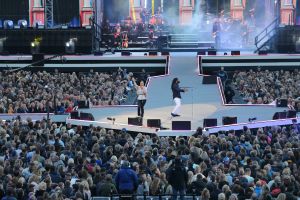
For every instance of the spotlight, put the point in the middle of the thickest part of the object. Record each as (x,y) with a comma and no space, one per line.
(70,46)
(22,23)
(35,45)
(8,24)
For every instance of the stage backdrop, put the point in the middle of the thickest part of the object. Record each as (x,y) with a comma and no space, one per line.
(14,10)
(116,10)
(66,12)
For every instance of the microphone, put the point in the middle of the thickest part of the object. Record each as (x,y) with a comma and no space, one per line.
(186,87)
(111,119)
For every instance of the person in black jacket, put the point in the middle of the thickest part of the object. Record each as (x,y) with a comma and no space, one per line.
(176,96)
(177,177)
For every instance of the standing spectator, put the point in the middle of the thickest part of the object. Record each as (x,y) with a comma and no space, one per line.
(178,178)
(222,74)
(126,179)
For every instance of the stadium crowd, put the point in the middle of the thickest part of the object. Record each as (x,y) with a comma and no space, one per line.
(264,86)
(31,92)
(44,160)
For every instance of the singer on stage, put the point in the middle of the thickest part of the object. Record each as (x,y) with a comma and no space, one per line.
(141,92)
(176,96)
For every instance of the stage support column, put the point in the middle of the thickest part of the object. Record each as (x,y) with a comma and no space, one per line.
(135,9)
(36,12)
(237,9)
(186,8)
(287,12)
(86,11)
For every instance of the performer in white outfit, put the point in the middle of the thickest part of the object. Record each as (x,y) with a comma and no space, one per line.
(141,91)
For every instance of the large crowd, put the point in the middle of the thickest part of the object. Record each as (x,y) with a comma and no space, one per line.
(264,86)
(38,92)
(44,160)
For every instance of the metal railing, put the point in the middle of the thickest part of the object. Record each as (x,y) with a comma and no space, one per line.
(96,34)
(146,197)
(265,35)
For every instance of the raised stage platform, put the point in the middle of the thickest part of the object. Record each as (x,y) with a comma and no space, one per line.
(199,103)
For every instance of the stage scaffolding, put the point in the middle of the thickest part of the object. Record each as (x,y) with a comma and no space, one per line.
(49,13)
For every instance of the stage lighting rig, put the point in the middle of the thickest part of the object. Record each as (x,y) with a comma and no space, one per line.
(35,45)
(8,24)
(70,45)
(22,23)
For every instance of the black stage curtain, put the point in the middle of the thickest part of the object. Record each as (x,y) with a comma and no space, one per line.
(298,12)
(116,10)
(65,12)
(14,10)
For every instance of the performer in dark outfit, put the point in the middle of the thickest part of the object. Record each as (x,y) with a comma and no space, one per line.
(216,32)
(176,96)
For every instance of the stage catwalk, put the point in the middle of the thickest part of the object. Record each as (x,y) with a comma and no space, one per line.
(201,101)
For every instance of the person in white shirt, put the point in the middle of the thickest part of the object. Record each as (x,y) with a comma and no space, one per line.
(141,91)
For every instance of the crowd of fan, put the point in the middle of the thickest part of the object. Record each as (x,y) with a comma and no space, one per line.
(41,160)
(264,86)
(31,92)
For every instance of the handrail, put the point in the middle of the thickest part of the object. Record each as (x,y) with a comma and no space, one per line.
(96,32)
(274,22)
(273,26)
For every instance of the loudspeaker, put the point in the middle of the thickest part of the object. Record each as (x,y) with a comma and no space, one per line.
(210,122)
(181,125)
(165,53)
(229,120)
(235,53)
(281,102)
(280,115)
(38,59)
(262,52)
(98,53)
(74,115)
(201,53)
(291,114)
(156,123)
(136,121)
(209,79)
(152,53)
(87,116)
(212,52)
(83,104)
(125,53)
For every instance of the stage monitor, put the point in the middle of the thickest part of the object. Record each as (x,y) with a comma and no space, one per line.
(210,122)
(86,116)
(152,53)
(201,53)
(262,52)
(165,53)
(136,121)
(155,123)
(181,125)
(280,115)
(291,114)
(125,53)
(229,120)
(74,115)
(235,53)
(212,52)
